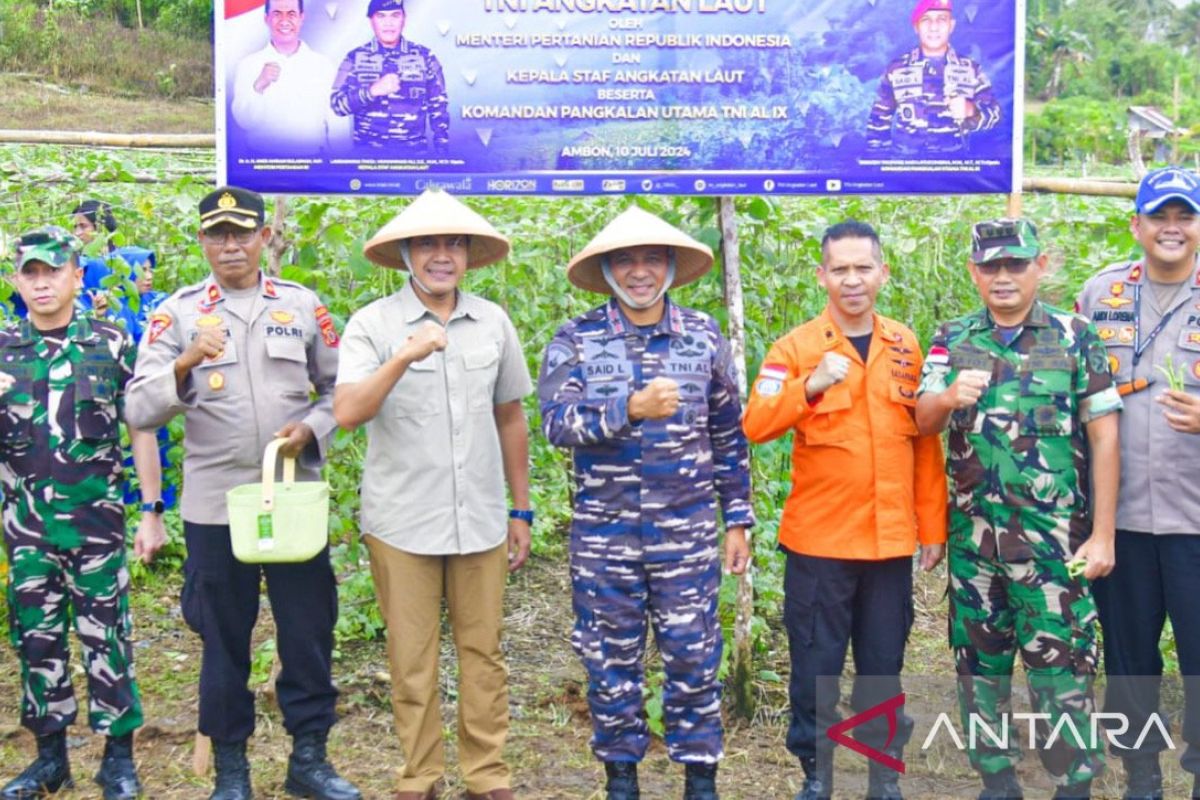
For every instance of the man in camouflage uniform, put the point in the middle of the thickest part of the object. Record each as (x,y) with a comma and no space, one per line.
(393,87)
(1031,407)
(62,397)
(1147,312)
(248,358)
(644,393)
(931,98)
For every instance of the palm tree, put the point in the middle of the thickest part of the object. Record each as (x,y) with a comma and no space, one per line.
(1059,46)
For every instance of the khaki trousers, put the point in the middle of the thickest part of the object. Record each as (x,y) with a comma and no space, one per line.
(410,589)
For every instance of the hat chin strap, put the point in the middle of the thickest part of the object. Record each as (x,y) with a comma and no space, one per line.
(623,296)
(406,257)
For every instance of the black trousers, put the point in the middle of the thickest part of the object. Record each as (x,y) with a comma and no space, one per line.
(220,602)
(830,603)
(1155,579)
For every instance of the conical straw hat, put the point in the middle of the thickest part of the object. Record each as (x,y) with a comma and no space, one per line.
(436,213)
(635,227)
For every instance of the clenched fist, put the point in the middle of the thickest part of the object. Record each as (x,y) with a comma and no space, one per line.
(832,370)
(968,388)
(269,74)
(429,338)
(208,344)
(659,400)
(387,84)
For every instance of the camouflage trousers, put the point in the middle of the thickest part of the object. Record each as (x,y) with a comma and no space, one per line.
(998,608)
(47,588)
(611,600)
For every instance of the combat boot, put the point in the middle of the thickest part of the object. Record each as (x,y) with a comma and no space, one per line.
(883,782)
(700,782)
(1081,790)
(311,775)
(233,772)
(49,772)
(118,776)
(818,779)
(1002,785)
(1143,777)
(622,783)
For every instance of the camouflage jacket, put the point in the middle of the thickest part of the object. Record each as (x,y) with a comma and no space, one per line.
(647,490)
(912,109)
(1017,462)
(398,118)
(60,440)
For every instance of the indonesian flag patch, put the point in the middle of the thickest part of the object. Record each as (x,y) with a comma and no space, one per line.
(770,379)
(938,355)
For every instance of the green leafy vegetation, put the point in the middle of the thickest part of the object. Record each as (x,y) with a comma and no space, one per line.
(925,240)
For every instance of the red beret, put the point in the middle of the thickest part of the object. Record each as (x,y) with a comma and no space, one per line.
(924,6)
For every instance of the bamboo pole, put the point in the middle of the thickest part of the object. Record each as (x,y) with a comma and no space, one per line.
(1077,186)
(743,654)
(103,139)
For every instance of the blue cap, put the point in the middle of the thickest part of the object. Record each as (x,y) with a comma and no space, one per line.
(384,5)
(1164,185)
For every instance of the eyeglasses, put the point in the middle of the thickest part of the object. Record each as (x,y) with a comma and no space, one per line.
(218,237)
(1016,266)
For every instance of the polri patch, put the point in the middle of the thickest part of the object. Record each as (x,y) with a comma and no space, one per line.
(159,323)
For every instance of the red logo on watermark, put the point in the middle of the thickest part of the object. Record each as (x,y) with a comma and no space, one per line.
(838,732)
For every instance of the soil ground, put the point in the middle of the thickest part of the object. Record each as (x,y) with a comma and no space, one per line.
(35,103)
(548,743)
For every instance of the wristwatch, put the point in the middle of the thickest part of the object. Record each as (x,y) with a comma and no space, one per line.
(521,513)
(157,507)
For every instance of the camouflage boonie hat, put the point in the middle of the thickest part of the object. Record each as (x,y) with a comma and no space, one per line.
(52,245)
(1004,238)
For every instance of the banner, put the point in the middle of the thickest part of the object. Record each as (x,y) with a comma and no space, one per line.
(619,96)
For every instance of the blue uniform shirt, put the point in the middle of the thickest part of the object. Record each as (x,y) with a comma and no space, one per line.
(647,490)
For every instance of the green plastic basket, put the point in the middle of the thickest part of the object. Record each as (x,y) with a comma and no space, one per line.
(271,522)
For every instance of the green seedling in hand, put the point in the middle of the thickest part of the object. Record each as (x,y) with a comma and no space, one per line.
(1174,374)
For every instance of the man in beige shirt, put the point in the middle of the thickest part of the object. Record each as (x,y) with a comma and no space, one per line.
(437,375)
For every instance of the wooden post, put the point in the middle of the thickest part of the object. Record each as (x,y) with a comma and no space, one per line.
(278,243)
(743,654)
(201,754)
(1013,209)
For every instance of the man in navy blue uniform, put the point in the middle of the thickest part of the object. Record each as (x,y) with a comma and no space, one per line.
(645,394)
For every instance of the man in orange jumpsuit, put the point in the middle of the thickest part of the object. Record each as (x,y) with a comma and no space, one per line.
(865,489)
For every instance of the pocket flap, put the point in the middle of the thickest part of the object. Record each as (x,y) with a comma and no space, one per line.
(481,357)
(287,349)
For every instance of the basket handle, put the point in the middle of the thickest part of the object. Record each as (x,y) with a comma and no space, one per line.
(268,472)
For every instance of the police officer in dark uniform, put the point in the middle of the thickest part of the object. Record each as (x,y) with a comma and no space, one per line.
(393,88)
(237,354)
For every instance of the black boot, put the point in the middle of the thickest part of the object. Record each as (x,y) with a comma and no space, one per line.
(1074,791)
(883,782)
(117,775)
(49,772)
(311,775)
(622,783)
(1143,777)
(818,778)
(233,772)
(700,782)
(1002,785)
